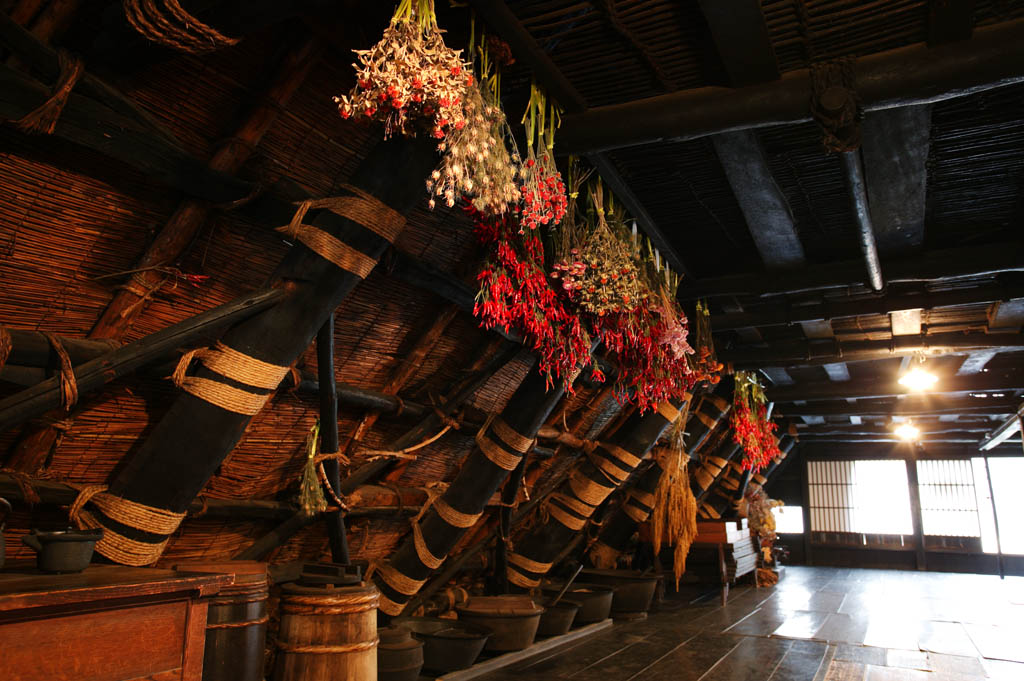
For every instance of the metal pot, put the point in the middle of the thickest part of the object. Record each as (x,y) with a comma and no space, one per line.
(557,618)
(63,550)
(5,510)
(513,620)
(633,590)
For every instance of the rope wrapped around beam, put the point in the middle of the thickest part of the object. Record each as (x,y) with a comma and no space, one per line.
(233,365)
(115,545)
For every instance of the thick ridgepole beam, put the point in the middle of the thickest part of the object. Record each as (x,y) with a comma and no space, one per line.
(508,437)
(98,372)
(916,74)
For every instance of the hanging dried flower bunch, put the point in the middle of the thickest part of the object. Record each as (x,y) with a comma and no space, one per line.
(410,75)
(752,429)
(674,518)
(540,183)
(514,295)
(703,361)
(603,278)
(476,163)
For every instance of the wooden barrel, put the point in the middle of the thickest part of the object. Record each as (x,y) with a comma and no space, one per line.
(236,622)
(327,634)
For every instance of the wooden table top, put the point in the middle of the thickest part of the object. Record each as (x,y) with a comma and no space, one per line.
(30,588)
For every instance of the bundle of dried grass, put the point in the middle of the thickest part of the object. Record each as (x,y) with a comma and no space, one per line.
(311,495)
(674,518)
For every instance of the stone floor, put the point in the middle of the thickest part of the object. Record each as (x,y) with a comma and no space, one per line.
(817,624)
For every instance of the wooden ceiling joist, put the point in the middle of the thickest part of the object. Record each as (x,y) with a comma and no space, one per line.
(939,265)
(910,406)
(741,37)
(906,76)
(762,202)
(784,314)
(813,353)
(895,153)
(874,388)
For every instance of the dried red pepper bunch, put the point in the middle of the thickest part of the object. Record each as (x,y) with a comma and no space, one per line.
(514,295)
(649,372)
(410,75)
(752,429)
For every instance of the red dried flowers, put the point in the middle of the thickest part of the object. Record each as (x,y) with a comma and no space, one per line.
(752,429)
(514,295)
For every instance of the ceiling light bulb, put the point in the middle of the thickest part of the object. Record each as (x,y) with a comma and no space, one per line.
(908,431)
(918,379)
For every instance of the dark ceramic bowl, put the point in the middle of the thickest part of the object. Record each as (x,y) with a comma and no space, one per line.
(63,551)
(448,645)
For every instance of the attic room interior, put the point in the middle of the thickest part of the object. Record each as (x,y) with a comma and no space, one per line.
(533,340)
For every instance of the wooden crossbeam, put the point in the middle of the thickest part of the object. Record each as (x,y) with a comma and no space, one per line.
(988,382)
(916,74)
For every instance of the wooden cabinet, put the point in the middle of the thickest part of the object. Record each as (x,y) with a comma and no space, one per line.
(104,624)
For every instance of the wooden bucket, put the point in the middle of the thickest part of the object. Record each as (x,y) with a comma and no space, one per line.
(327,634)
(236,622)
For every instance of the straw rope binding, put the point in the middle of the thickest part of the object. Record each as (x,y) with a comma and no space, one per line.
(390,607)
(519,579)
(565,518)
(528,563)
(181,30)
(113,545)
(621,454)
(495,453)
(452,516)
(335,649)
(235,365)
(573,504)
(329,248)
(509,436)
(636,513)
(43,119)
(428,559)
(588,491)
(399,582)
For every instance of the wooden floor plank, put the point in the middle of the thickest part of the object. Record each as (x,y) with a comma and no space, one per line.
(801,662)
(689,662)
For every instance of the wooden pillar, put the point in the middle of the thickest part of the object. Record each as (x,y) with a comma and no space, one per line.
(501,445)
(329,436)
(594,478)
(920,557)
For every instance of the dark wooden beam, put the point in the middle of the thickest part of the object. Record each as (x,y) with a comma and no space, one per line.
(988,382)
(949,264)
(812,353)
(973,429)
(1004,431)
(916,74)
(784,314)
(895,153)
(741,37)
(896,450)
(762,202)
(98,372)
(909,406)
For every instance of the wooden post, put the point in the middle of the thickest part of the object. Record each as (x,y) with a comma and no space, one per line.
(100,371)
(185,448)
(920,556)
(329,436)
(500,447)
(590,484)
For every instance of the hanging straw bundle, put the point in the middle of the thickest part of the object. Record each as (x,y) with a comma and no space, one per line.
(311,494)
(675,508)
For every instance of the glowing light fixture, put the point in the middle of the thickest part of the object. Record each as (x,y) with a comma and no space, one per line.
(908,431)
(918,380)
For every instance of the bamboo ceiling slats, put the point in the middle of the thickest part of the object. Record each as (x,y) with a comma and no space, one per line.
(687,193)
(976,167)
